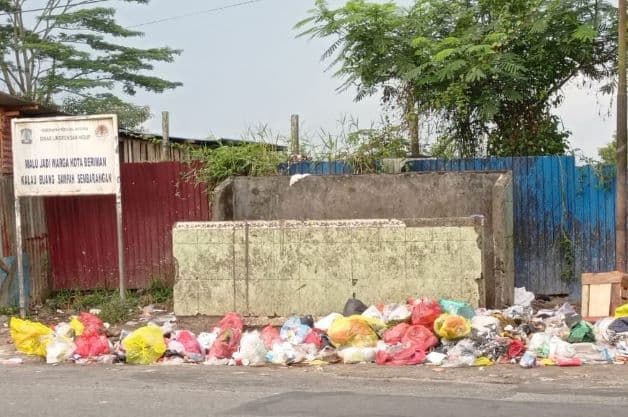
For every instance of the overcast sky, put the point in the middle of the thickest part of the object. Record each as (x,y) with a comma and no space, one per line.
(243,66)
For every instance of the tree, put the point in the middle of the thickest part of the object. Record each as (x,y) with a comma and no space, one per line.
(491,70)
(73,52)
(608,152)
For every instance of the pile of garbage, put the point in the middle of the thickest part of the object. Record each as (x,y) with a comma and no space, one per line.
(442,332)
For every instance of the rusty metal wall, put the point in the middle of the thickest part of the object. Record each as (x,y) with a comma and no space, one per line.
(35,237)
(83,229)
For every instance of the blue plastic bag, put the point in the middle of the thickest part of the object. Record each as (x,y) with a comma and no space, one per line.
(294,331)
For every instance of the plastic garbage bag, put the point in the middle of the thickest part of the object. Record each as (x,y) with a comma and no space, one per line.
(485,325)
(618,326)
(457,308)
(270,336)
(539,345)
(373,312)
(621,311)
(227,341)
(64,330)
(288,354)
(452,327)
(325,323)
(315,337)
(60,349)
(354,331)
(528,360)
(92,325)
(591,353)
(144,345)
(400,354)
(435,358)
(425,312)
(188,340)
(559,349)
(582,332)
(353,306)
(523,297)
(516,349)
(206,340)
(294,331)
(252,351)
(602,333)
(77,326)
(396,313)
(92,346)
(30,337)
(394,335)
(357,355)
(419,337)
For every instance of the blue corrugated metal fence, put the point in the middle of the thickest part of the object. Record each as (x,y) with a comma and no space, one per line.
(563,215)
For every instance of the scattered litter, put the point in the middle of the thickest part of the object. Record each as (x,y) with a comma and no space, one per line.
(296,178)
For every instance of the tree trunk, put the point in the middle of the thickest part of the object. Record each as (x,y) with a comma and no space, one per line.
(411,116)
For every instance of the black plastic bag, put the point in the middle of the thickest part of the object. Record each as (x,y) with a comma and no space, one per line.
(353,306)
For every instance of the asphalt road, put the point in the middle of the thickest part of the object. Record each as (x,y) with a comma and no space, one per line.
(357,391)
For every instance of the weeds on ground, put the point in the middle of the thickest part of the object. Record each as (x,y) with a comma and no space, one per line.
(112,308)
(9,311)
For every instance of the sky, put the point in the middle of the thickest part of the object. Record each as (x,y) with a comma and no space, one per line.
(243,66)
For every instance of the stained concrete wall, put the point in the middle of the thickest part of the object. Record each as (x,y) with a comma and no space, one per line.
(383,196)
(268,268)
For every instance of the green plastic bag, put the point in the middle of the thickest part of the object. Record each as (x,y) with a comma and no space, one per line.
(581,333)
(144,346)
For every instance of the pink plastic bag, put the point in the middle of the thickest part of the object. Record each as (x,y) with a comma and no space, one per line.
(394,335)
(91,346)
(92,324)
(270,336)
(405,356)
(425,312)
(420,338)
(314,337)
(189,342)
(228,339)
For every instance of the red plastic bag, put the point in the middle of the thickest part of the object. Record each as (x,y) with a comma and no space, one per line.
(394,335)
(516,348)
(406,356)
(93,325)
(228,339)
(425,312)
(314,337)
(270,336)
(189,342)
(420,338)
(91,346)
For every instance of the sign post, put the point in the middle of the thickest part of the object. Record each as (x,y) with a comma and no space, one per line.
(66,156)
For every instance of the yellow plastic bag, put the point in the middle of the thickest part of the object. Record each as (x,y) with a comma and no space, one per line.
(452,327)
(77,326)
(353,331)
(30,337)
(144,346)
(621,311)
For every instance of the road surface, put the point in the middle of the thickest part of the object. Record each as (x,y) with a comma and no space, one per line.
(353,391)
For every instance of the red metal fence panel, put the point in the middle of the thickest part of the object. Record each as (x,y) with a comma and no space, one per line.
(82,230)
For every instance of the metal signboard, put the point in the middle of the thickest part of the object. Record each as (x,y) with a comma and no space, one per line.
(59,156)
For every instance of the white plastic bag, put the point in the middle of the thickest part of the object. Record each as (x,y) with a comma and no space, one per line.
(396,313)
(435,358)
(559,349)
(485,325)
(357,354)
(374,313)
(206,340)
(252,350)
(325,323)
(539,345)
(523,297)
(59,350)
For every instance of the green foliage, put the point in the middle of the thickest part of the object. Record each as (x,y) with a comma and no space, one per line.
(249,159)
(130,116)
(113,310)
(608,153)
(493,70)
(158,292)
(71,49)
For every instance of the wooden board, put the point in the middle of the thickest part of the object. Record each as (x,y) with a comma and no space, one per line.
(599,300)
(614,277)
(585,301)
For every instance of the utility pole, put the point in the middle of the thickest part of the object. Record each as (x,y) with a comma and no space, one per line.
(620,228)
(294,135)
(165,135)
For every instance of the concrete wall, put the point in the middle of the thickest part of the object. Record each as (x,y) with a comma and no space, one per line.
(268,268)
(411,195)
